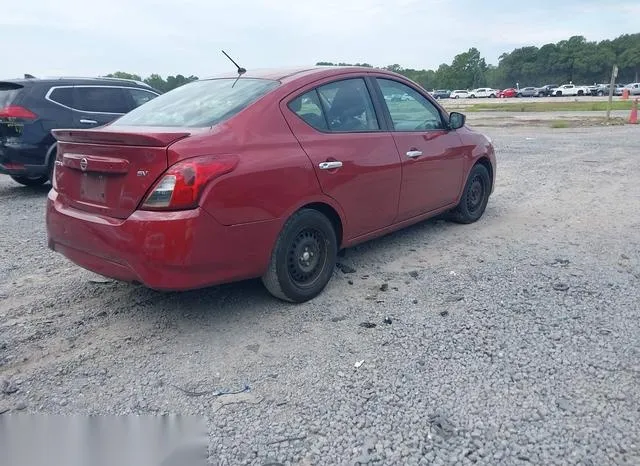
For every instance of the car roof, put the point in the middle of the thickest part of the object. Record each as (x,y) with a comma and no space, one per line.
(310,73)
(81,80)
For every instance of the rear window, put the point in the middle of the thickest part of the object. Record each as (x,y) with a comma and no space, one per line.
(8,93)
(199,104)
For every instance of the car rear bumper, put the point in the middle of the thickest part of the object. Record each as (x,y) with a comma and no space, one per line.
(170,251)
(23,159)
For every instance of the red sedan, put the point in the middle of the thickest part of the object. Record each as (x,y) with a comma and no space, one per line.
(265,175)
(510,92)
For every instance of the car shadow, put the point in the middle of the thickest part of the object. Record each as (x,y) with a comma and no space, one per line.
(230,301)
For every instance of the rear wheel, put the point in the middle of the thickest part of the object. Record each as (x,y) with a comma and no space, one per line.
(303,258)
(30,180)
(474,197)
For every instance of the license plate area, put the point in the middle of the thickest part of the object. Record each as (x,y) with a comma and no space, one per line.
(93,188)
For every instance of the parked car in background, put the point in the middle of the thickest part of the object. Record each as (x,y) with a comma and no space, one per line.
(459,94)
(603,89)
(483,92)
(527,92)
(634,88)
(508,93)
(545,91)
(441,94)
(31,108)
(570,90)
(268,175)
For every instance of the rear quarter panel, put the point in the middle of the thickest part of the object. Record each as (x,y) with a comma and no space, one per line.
(273,176)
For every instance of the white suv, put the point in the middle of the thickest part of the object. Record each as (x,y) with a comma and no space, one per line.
(483,92)
(459,94)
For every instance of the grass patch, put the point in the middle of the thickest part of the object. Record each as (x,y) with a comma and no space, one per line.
(548,106)
(560,124)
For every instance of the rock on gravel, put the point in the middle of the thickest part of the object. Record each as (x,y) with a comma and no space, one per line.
(518,372)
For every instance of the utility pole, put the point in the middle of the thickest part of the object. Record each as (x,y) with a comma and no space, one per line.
(614,75)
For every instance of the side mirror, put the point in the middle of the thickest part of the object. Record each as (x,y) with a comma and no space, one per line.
(456,120)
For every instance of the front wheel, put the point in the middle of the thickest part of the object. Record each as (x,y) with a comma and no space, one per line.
(474,197)
(30,180)
(303,258)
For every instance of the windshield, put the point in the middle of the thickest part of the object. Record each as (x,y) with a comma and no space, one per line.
(199,104)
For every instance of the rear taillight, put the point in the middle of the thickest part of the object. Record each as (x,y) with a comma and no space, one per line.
(15,111)
(181,186)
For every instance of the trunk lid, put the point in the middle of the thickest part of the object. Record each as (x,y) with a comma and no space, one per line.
(108,171)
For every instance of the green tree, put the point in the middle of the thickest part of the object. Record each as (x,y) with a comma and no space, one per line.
(123,75)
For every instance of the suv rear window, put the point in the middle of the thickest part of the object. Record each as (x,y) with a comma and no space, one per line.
(199,104)
(8,93)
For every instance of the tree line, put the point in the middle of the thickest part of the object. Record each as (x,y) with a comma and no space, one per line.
(573,60)
(156,81)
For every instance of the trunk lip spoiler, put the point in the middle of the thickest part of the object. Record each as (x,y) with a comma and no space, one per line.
(126,136)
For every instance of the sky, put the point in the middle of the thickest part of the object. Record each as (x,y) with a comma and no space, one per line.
(82,38)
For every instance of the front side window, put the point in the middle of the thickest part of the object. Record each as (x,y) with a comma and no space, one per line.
(98,99)
(348,106)
(199,103)
(412,113)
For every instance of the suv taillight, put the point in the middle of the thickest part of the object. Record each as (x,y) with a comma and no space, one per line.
(182,184)
(15,111)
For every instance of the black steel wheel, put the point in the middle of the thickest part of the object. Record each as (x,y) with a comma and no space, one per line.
(304,257)
(474,197)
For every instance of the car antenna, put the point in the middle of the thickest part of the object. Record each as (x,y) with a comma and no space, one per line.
(241,70)
(29,76)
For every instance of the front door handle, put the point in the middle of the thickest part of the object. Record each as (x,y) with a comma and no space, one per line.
(88,122)
(414,153)
(330,165)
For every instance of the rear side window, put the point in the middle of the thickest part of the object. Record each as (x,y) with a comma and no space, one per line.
(348,106)
(100,99)
(308,107)
(200,103)
(8,93)
(62,95)
(140,96)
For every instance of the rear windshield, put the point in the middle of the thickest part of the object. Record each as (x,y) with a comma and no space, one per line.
(199,104)
(8,93)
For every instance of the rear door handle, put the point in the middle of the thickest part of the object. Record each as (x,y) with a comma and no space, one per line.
(414,153)
(88,122)
(330,165)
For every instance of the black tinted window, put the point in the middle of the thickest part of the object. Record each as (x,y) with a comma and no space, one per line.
(308,107)
(409,110)
(140,96)
(348,106)
(62,95)
(101,99)
(199,104)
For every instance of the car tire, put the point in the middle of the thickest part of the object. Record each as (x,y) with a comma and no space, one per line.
(303,259)
(30,180)
(474,197)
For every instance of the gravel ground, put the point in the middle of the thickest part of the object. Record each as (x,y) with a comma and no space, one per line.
(514,340)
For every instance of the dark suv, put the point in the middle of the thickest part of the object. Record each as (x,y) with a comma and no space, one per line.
(31,108)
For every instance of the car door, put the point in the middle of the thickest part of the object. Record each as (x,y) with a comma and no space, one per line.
(96,105)
(431,154)
(354,157)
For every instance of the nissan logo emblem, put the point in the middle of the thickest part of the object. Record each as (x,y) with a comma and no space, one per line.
(83,164)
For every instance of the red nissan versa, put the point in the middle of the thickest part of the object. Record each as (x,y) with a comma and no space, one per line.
(265,175)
